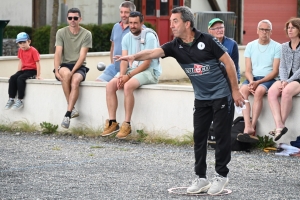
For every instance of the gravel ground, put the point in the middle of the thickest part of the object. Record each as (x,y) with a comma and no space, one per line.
(34,166)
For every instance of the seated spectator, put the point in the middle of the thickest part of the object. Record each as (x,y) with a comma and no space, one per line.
(262,58)
(289,83)
(119,30)
(71,47)
(131,78)
(28,67)
(217,29)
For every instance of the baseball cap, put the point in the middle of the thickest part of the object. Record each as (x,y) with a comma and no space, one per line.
(211,22)
(22,37)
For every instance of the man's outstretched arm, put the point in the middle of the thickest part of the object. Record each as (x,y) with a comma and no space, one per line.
(142,55)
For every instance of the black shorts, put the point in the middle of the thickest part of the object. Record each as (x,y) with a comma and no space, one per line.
(82,70)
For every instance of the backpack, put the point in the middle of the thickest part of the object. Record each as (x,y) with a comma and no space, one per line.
(238,126)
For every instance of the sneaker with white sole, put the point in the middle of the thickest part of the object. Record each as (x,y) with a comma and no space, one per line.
(66,122)
(9,104)
(110,129)
(17,105)
(199,185)
(74,113)
(218,185)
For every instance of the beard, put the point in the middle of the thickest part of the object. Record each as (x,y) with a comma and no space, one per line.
(135,31)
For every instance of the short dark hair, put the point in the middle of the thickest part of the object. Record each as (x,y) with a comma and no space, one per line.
(137,14)
(74,10)
(128,4)
(186,14)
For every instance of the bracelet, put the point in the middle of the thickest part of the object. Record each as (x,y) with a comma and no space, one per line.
(128,74)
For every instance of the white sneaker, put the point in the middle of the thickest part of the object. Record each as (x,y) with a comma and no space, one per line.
(218,185)
(199,185)
(66,122)
(74,113)
(9,104)
(288,147)
(17,105)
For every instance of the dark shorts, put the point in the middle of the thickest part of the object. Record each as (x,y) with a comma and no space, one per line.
(82,70)
(266,85)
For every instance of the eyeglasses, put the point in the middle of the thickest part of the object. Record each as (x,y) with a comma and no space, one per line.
(292,28)
(22,42)
(264,30)
(217,28)
(75,18)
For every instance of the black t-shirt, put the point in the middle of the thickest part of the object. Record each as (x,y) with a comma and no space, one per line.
(200,61)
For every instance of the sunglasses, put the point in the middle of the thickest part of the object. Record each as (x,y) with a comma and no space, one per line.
(75,18)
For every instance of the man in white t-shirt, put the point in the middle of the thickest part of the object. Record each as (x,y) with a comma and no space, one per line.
(262,58)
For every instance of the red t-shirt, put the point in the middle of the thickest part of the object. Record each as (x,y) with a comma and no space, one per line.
(29,58)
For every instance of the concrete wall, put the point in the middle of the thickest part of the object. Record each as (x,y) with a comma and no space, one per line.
(170,68)
(45,101)
(13,9)
(159,109)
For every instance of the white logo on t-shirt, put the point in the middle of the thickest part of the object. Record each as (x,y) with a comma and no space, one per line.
(201,45)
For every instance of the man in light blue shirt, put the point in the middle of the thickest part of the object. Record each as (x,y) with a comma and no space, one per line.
(119,30)
(262,58)
(131,77)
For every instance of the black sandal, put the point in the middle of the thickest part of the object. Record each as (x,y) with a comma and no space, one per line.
(245,137)
(278,134)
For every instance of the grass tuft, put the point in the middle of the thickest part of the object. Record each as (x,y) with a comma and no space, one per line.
(86,131)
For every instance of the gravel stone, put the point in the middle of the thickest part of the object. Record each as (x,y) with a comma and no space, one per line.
(37,166)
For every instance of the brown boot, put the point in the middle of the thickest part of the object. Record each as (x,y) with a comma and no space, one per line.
(125,131)
(108,130)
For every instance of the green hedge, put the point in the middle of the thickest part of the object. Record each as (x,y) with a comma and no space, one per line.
(40,37)
(12,31)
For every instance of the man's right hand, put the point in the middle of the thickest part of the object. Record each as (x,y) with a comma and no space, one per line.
(129,58)
(58,75)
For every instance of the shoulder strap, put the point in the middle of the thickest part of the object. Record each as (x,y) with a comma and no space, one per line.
(238,119)
(144,32)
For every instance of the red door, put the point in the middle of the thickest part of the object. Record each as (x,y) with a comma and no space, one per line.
(158,13)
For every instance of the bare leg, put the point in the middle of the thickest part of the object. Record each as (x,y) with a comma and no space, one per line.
(75,81)
(257,104)
(288,92)
(65,73)
(129,87)
(246,113)
(273,95)
(111,98)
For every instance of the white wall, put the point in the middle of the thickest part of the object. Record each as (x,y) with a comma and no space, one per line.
(18,12)
(158,109)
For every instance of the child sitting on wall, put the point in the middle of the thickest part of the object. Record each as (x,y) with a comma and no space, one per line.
(28,67)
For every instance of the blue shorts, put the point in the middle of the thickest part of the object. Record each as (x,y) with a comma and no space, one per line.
(108,74)
(266,85)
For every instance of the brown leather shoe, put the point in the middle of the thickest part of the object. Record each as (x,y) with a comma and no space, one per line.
(108,130)
(125,131)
